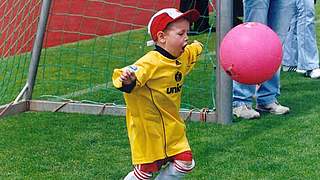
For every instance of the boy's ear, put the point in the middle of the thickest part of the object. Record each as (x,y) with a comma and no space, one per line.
(161,37)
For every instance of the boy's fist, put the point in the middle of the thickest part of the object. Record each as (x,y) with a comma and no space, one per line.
(195,41)
(127,77)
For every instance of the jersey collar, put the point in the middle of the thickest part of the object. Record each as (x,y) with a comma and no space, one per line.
(164,52)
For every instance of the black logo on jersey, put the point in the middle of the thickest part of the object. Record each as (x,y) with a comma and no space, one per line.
(176,89)
(178,76)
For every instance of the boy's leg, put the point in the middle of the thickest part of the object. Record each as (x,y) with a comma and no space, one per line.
(130,176)
(144,171)
(176,170)
(137,174)
(181,165)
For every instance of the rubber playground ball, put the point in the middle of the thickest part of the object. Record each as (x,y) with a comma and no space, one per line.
(251,53)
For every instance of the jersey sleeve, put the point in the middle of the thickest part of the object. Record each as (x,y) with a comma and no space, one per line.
(144,69)
(116,78)
(194,51)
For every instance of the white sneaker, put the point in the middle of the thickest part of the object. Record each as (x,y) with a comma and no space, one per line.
(301,71)
(274,108)
(292,69)
(246,112)
(289,68)
(314,73)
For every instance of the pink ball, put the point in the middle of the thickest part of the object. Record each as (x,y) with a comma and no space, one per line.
(251,53)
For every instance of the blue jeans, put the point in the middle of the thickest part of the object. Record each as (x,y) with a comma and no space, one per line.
(277,14)
(300,47)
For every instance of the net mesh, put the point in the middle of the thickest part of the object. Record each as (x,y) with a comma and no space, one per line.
(18,24)
(85,40)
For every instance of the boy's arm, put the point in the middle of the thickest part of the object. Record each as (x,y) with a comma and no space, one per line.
(136,75)
(198,47)
(194,51)
(124,79)
(128,88)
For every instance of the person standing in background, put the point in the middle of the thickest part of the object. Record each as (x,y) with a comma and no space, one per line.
(237,12)
(277,14)
(300,50)
(202,24)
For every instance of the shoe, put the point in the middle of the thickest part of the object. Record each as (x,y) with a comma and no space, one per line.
(301,71)
(292,69)
(245,112)
(274,108)
(289,68)
(313,74)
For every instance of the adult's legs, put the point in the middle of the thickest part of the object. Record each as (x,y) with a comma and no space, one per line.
(290,46)
(202,24)
(237,12)
(254,11)
(308,55)
(185,5)
(279,18)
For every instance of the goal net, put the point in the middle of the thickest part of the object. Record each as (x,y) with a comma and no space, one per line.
(18,24)
(84,41)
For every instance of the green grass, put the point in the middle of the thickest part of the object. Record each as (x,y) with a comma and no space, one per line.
(13,73)
(46,145)
(72,146)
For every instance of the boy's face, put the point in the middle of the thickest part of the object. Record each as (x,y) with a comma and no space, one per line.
(174,39)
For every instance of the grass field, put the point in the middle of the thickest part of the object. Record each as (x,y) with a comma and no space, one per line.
(73,146)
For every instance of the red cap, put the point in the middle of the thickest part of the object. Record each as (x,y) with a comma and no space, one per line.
(162,18)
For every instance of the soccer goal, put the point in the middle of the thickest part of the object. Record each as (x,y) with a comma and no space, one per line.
(59,56)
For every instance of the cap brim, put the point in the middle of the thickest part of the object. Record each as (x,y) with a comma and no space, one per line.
(192,15)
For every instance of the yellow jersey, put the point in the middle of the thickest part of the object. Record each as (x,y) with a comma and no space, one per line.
(155,128)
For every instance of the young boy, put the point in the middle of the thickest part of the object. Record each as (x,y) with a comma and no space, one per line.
(152,87)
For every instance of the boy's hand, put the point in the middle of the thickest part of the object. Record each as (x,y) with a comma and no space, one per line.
(127,77)
(195,41)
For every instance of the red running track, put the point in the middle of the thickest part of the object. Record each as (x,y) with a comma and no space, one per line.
(72,20)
